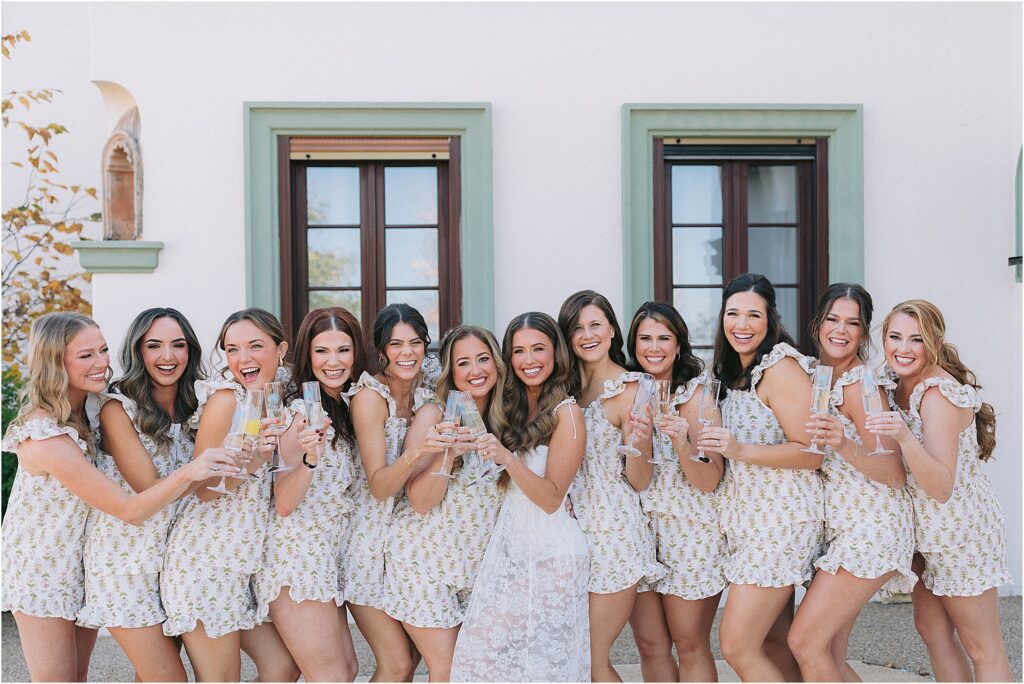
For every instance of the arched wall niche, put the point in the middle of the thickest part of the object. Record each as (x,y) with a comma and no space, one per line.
(122,180)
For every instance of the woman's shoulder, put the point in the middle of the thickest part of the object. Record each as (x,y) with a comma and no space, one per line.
(782,360)
(39,426)
(941,386)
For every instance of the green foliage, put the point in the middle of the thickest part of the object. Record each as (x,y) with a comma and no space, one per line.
(11,386)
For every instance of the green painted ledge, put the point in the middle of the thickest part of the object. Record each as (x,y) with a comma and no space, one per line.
(842,124)
(264,121)
(118,256)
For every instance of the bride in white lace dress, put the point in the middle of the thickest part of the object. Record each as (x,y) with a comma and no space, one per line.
(527,619)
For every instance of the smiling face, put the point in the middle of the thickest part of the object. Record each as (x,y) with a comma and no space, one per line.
(656,348)
(745,323)
(332,355)
(533,357)
(252,355)
(473,367)
(404,350)
(592,335)
(86,360)
(841,332)
(905,349)
(164,352)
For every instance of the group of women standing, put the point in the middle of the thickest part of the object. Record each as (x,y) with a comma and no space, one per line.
(510,540)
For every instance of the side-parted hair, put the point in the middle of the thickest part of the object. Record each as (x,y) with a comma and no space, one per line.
(493,414)
(569,316)
(387,318)
(136,384)
(727,365)
(47,385)
(686,366)
(261,318)
(316,322)
(945,355)
(855,293)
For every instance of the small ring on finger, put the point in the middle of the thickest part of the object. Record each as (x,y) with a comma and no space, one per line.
(216,467)
(890,419)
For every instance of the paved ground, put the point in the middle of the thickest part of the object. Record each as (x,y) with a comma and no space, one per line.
(883,648)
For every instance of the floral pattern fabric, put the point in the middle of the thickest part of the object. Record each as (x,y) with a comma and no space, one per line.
(771,517)
(43,534)
(622,549)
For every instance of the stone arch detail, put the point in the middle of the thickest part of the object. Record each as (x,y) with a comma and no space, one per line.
(122,180)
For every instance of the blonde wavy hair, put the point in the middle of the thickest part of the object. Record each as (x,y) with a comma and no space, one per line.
(47,385)
(943,354)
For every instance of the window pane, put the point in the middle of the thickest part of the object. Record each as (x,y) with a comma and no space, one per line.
(699,307)
(772,194)
(697,256)
(772,253)
(348,299)
(410,195)
(696,194)
(332,195)
(789,308)
(411,257)
(424,301)
(333,257)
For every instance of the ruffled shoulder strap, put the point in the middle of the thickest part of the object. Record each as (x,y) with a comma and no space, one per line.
(39,429)
(963,396)
(852,377)
(94,402)
(367,381)
(431,370)
(423,397)
(685,392)
(206,389)
(778,352)
(613,388)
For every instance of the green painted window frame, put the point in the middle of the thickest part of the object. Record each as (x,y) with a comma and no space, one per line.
(842,124)
(264,121)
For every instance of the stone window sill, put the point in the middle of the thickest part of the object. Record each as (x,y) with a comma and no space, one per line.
(118,256)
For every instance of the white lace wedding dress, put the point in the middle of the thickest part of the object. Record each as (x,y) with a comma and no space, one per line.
(527,619)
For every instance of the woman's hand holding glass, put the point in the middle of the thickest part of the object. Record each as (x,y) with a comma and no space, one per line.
(311,440)
(491,449)
(888,424)
(719,440)
(676,428)
(213,462)
(826,429)
(639,426)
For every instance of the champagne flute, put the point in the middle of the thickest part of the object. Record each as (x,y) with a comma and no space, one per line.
(662,408)
(820,393)
(452,413)
(708,409)
(251,430)
(234,441)
(276,409)
(314,408)
(472,419)
(644,392)
(872,406)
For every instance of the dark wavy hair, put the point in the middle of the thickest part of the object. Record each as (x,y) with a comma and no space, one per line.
(136,384)
(856,293)
(387,318)
(261,318)
(568,317)
(727,365)
(686,366)
(316,322)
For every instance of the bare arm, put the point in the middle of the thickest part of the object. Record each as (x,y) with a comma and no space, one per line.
(122,442)
(369,414)
(297,441)
(703,476)
(425,446)
(213,428)
(618,411)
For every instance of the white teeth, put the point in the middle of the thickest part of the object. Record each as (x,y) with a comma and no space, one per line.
(246,371)
(742,338)
(97,376)
(478,382)
(903,360)
(167,369)
(334,373)
(532,372)
(405,364)
(838,342)
(592,345)
(655,359)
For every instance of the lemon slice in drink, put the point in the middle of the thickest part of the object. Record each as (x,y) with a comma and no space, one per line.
(252,427)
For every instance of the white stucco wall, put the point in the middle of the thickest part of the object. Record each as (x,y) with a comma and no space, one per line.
(940,85)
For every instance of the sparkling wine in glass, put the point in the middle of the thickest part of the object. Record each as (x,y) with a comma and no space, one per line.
(472,419)
(662,407)
(277,410)
(644,392)
(452,414)
(872,406)
(821,391)
(708,409)
(235,441)
(314,408)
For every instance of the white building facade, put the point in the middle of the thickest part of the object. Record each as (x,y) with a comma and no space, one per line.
(642,150)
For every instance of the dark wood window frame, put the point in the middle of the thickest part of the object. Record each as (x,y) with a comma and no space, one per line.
(735,158)
(293,224)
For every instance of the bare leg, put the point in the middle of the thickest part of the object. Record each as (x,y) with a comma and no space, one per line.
(348,649)
(85,642)
(690,624)
(776,644)
(832,603)
(312,633)
(214,659)
(154,656)
(438,648)
(50,647)
(840,647)
(266,648)
(750,613)
(653,640)
(977,624)
(947,656)
(396,655)
(608,615)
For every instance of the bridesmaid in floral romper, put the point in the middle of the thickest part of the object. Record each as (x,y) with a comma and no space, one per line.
(382,407)
(216,542)
(771,498)
(945,432)
(681,506)
(144,438)
(56,484)
(300,584)
(440,530)
(604,493)
(869,528)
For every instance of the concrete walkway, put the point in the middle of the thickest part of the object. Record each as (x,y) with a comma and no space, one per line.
(883,648)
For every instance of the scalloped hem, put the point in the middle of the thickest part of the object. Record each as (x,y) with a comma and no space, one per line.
(94,618)
(772,583)
(214,628)
(832,566)
(960,591)
(673,585)
(303,594)
(32,609)
(614,584)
